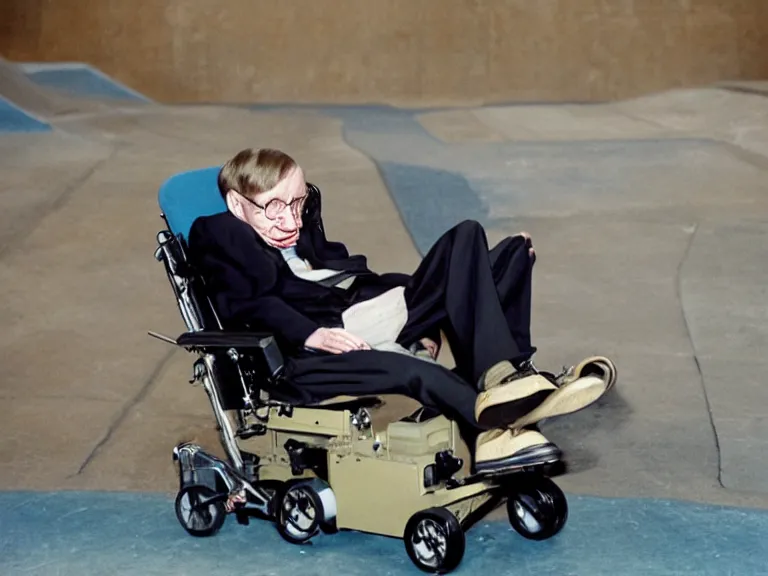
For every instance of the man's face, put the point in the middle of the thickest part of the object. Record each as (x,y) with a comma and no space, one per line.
(276,214)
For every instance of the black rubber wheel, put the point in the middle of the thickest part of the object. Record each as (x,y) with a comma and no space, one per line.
(537,509)
(197,514)
(329,527)
(434,540)
(299,512)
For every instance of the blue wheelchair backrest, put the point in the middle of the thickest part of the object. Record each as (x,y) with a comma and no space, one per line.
(186,196)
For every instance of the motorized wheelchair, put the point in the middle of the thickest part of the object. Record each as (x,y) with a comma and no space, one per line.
(321,468)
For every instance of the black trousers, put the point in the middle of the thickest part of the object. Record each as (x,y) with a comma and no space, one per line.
(481,299)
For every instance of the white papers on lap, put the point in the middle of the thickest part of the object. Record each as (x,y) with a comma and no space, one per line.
(379,320)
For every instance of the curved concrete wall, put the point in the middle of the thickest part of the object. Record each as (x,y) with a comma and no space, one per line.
(396,51)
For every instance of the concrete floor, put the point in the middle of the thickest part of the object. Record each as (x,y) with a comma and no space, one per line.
(649,219)
(125,534)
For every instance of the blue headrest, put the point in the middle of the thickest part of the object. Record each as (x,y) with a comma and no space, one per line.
(185,197)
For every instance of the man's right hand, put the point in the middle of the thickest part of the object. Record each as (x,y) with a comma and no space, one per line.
(335,340)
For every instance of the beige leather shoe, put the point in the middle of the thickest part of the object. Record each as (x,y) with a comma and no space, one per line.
(503,450)
(497,375)
(599,366)
(568,398)
(503,404)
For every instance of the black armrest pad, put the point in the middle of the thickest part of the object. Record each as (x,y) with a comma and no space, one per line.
(221,339)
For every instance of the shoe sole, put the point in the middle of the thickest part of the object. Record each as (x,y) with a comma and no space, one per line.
(503,414)
(605,364)
(608,367)
(614,373)
(533,456)
(568,399)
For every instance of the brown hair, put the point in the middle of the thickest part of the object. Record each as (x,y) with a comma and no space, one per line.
(253,171)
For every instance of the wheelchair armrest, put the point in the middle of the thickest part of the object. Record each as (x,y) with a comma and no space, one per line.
(268,357)
(221,339)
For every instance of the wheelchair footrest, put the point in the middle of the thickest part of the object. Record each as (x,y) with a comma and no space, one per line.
(501,476)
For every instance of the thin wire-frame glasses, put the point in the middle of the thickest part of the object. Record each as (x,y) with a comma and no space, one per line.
(275,207)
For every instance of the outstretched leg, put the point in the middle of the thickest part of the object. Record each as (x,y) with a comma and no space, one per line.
(372,372)
(481,299)
(512,262)
(455,288)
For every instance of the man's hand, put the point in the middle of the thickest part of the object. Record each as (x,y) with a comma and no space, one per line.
(432,347)
(335,340)
(527,238)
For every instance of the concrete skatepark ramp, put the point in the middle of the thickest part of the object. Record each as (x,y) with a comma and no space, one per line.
(17,87)
(649,218)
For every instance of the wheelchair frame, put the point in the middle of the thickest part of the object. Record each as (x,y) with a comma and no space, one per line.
(328,458)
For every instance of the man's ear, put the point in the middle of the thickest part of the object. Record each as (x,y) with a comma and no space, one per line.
(234,205)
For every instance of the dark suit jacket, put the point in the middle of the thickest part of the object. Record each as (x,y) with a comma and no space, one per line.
(253,287)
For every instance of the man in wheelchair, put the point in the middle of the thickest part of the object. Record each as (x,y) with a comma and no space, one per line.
(346,330)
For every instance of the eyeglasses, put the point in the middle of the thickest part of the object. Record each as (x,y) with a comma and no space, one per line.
(275,207)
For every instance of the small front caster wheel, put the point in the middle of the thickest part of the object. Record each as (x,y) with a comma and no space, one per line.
(434,540)
(200,511)
(537,509)
(299,513)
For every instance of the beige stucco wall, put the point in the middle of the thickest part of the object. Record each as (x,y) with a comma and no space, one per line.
(397,51)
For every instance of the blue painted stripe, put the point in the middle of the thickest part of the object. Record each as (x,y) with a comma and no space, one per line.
(14,119)
(431,201)
(117,533)
(80,80)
